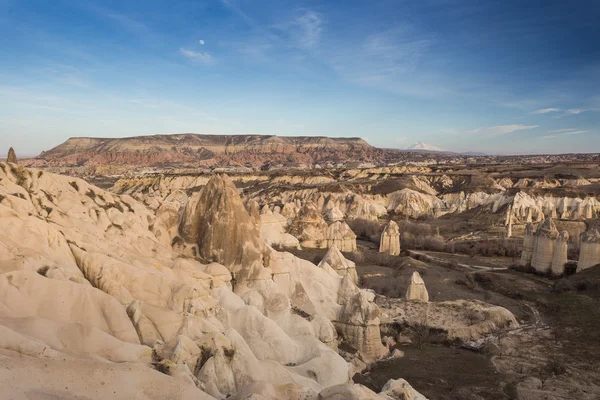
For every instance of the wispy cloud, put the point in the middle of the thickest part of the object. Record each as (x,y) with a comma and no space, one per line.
(575,132)
(575,111)
(197,56)
(562,132)
(307,28)
(546,111)
(501,130)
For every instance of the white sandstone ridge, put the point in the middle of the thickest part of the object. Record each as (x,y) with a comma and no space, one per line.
(91,299)
(424,195)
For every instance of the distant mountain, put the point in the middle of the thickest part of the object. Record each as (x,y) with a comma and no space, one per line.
(420,146)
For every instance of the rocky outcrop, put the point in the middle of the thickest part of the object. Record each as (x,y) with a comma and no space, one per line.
(224,231)
(589,254)
(528,242)
(339,263)
(390,239)
(273,231)
(560,257)
(341,236)
(309,227)
(206,150)
(546,249)
(544,240)
(12,157)
(416,288)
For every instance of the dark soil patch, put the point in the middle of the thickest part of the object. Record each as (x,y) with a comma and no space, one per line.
(439,372)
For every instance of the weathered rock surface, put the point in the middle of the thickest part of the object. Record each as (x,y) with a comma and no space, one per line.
(336,260)
(543,246)
(340,235)
(390,239)
(416,288)
(589,254)
(12,157)
(73,252)
(309,227)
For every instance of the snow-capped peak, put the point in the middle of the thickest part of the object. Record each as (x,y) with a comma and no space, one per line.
(424,146)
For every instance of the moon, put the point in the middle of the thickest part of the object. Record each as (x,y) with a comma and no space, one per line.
(201,42)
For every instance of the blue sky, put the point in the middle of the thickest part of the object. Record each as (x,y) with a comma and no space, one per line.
(466,75)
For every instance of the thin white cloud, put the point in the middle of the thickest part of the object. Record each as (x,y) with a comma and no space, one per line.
(575,111)
(311,26)
(501,130)
(563,130)
(303,31)
(198,56)
(575,132)
(550,136)
(546,110)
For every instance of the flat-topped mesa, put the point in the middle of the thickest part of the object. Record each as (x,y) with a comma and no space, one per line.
(543,246)
(336,260)
(12,157)
(225,232)
(211,149)
(528,241)
(416,288)
(390,239)
(589,254)
(339,234)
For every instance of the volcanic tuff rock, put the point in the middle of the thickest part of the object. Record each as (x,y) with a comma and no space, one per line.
(543,246)
(309,227)
(416,289)
(225,232)
(339,263)
(12,157)
(73,252)
(340,235)
(390,239)
(589,254)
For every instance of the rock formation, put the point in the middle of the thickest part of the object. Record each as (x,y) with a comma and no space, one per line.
(589,254)
(309,227)
(390,239)
(528,242)
(559,259)
(416,288)
(12,157)
(273,231)
(543,246)
(335,259)
(224,231)
(340,235)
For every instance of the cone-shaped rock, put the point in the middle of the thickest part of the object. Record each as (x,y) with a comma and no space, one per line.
(12,157)
(390,239)
(340,264)
(416,288)
(339,234)
(224,231)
